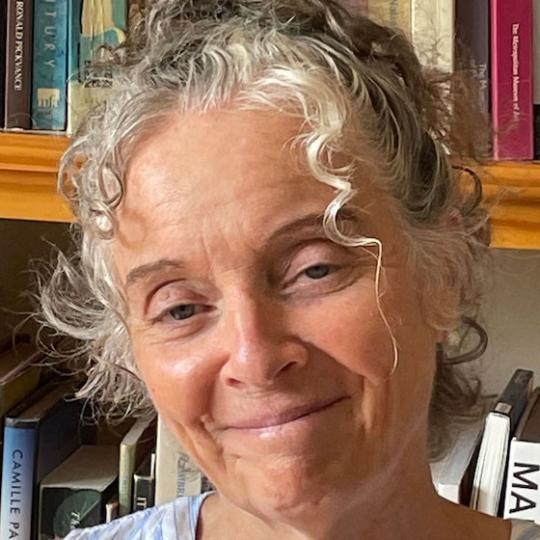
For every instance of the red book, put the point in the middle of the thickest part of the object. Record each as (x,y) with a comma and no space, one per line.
(512,78)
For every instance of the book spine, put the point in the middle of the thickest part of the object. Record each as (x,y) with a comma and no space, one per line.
(432,31)
(536,85)
(111,511)
(126,469)
(3,27)
(395,13)
(523,481)
(100,31)
(143,492)
(17,482)
(189,478)
(73,75)
(472,38)
(18,64)
(514,398)
(512,79)
(49,65)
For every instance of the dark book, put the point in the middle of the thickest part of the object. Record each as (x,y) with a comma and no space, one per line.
(473,51)
(18,87)
(38,435)
(499,428)
(452,474)
(77,492)
(144,484)
(3,21)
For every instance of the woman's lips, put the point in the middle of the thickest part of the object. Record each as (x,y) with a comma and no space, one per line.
(288,415)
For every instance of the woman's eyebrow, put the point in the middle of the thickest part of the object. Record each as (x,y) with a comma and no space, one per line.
(142,272)
(309,223)
(306,224)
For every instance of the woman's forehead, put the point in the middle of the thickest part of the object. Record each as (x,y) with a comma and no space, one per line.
(239,161)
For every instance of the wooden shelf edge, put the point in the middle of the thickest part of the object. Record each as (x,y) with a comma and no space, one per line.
(29,163)
(512,194)
(28,169)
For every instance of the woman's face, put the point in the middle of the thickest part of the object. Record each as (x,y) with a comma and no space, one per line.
(260,340)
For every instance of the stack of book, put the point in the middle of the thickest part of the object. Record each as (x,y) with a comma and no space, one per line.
(494,466)
(497,42)
(55,59)
(60,472)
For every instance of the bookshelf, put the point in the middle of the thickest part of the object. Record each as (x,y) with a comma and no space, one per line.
(28,166)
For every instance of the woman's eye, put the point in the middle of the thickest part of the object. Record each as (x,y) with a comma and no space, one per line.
(183,312)
(318,271)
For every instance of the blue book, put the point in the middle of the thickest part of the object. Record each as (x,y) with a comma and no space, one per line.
(39,434)
(49,67)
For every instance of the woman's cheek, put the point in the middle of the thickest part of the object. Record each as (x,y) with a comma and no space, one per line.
(355,335)
(178,384)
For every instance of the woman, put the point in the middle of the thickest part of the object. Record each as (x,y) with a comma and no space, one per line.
(274,241)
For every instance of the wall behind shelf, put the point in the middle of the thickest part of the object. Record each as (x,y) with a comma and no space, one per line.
(512,318)
(22,242)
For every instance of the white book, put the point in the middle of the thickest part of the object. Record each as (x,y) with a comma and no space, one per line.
(433,29)
(176,474)
(499,427)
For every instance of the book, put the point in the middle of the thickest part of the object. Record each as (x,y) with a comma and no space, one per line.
(176,474)
(18,82)
(432,31)
(473,52)
(394,13)
(512,79)
(38,435)
(112,509)
(522,498)
(3,29)
(144,484)
(499,427)
(76,493)
(49,64)
(98,27)
(135,446)
(536,78)
(73,82)
(452,475)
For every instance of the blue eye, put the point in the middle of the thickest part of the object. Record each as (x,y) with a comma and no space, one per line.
(318,271)
(180,313)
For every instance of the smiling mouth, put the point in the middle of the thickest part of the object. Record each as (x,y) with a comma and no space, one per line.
(286,417)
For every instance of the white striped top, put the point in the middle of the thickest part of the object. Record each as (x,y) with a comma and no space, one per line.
(177,520)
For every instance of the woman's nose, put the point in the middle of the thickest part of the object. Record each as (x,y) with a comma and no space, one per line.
(262,349)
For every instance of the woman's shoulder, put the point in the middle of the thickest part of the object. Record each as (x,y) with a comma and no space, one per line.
(176,520)
(524,530)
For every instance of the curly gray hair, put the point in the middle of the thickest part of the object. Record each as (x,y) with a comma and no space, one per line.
(341,74)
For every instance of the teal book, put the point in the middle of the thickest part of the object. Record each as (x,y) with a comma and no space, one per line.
(49,67)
